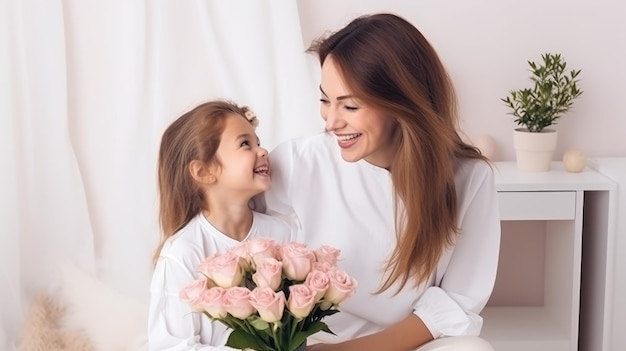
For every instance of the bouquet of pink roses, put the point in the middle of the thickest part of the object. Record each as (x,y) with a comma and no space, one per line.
(272,295)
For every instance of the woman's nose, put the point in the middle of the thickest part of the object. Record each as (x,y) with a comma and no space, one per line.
(332,120)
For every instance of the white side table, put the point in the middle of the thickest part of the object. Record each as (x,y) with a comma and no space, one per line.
(564,201)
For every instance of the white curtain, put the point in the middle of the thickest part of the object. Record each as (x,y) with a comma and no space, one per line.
(87,89)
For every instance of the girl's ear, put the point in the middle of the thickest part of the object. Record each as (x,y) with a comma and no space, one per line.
(201,172)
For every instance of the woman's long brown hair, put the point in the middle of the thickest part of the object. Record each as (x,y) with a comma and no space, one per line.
(195,135)
(391,67)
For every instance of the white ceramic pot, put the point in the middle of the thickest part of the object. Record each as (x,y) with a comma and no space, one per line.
(534,151)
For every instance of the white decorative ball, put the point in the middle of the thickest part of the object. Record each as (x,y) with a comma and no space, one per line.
(486,145)
(574,160)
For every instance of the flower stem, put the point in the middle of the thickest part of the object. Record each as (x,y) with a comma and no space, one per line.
(276,336)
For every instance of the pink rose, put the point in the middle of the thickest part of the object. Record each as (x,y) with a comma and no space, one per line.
(342,286)
(226,270)
(292,243)
(301,300)
(268,303)
(191,293)
(237,302)
(326,253)
(323,266)
(241,250)
(297,260)
(260,248)
(212,303)
(319,282)
(269,273)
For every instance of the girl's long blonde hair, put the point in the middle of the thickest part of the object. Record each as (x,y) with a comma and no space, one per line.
(390,66)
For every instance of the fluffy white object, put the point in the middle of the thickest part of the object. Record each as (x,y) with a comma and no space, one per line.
(111,320)
(41,330)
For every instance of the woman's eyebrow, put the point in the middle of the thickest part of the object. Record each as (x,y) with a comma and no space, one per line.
(343,97)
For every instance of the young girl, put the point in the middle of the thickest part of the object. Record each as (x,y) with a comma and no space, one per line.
(210,166)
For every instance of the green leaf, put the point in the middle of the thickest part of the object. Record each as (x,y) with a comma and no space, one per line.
(325,313)
(259,324)
(301,336)
(239,339)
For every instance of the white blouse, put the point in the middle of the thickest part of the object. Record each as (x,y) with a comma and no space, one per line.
(350,206)
(172,325)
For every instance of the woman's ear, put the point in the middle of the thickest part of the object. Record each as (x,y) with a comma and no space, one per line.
(201,172)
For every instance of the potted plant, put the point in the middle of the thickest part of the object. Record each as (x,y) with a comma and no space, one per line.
(537,108)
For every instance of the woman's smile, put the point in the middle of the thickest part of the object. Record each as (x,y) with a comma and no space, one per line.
(345,141)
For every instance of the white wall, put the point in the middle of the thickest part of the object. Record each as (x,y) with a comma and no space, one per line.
(486,45)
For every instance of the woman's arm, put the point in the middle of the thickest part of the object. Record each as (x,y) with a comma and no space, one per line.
(466,275)
(407,334)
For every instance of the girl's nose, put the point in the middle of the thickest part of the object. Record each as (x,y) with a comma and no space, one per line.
(262,152)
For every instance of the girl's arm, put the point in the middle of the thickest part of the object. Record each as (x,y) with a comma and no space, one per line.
(172,326)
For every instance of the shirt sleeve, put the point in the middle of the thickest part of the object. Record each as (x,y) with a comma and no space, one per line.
(452,307)
(172,325)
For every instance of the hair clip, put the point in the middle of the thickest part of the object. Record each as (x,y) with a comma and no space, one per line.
(250,116)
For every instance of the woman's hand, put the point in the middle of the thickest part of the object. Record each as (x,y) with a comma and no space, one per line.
(405,335)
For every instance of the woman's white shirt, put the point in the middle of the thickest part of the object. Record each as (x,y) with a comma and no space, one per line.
(350,206)
(172,326)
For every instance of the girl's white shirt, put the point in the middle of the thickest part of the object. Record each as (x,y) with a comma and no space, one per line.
(172,326)
(350,206)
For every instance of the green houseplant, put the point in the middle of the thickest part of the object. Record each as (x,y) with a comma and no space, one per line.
(552,95)
(535,109)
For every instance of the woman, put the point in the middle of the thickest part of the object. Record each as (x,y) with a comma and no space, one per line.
(411,206)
